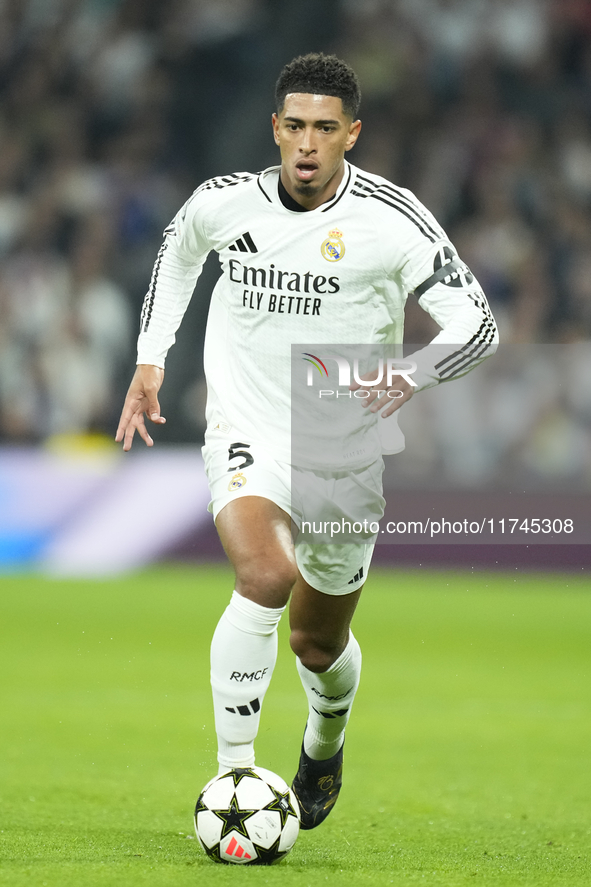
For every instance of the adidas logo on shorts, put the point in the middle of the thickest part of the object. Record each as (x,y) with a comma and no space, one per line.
(356,577)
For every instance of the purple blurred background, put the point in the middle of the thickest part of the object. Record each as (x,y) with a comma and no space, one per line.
(113,111)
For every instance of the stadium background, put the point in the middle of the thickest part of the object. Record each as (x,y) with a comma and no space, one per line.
(467,756)
(113,111)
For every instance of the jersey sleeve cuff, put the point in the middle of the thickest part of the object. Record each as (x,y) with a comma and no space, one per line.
(150,360)
(425,375)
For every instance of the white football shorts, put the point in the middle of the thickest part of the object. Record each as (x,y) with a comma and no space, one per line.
(237,467)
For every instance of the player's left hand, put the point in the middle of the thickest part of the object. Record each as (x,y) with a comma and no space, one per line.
(385,400)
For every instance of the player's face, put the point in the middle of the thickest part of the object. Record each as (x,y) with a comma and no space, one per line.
(313,133)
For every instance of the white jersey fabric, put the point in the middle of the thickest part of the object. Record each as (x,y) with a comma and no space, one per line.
(340,273)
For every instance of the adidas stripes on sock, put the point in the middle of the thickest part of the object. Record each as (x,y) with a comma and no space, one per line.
(243,656)
(330,697)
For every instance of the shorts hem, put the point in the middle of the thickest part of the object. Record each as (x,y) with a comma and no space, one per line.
(217,505)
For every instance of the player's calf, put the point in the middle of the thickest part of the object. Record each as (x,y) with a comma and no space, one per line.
(243,656)
(330,697)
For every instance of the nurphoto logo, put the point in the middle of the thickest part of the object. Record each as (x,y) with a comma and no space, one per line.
(387,369)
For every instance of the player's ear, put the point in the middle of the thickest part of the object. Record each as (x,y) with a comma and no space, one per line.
(354,131)
(275,121)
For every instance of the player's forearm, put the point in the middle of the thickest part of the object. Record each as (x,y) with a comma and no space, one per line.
(469,335)
(171,287)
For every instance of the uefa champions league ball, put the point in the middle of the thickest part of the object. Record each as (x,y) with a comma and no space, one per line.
(248,817)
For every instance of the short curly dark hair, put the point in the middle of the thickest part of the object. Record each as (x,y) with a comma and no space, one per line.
(320,74)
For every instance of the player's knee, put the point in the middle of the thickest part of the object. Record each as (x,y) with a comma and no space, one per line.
(269,585)
(315,654)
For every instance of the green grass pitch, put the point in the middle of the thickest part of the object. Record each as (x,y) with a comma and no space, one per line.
(467,758)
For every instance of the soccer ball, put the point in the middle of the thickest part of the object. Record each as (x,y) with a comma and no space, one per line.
(247,816)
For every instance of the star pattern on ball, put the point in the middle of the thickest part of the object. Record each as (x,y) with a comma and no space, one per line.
(268,857)
(214,853)
(233,818)
(240,773)
(199,806)
(282,804)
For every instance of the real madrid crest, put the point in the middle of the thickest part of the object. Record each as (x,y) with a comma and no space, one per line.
(238,480)
(333,248)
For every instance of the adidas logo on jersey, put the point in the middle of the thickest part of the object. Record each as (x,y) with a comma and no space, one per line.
(244,244)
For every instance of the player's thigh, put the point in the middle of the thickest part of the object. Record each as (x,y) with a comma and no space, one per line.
(320,624)
(256,535)
(250,502)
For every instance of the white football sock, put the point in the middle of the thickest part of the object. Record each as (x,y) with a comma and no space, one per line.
(330,697)
(243,656)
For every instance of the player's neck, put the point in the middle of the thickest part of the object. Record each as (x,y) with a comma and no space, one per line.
(302,203)
(288,201)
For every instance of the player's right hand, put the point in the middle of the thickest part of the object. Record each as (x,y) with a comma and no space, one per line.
(141,399)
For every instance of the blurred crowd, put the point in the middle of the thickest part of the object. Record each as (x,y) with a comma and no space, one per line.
(113,111)
(486,114)
(520,423)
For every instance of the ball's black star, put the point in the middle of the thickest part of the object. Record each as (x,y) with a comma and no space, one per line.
(214,853)
(268,857)
(282,803)
(240,773)
(200,805)
(234,818)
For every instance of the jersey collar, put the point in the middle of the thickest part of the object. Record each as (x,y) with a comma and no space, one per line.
(268,182)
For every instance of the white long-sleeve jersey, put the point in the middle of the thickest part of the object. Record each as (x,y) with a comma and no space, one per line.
(338,274)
